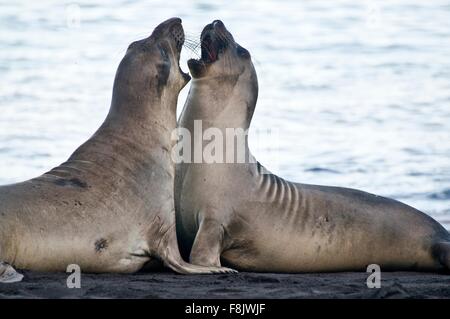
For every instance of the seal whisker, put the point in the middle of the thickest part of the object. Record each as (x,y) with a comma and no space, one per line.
(192,50)
(207,50)
(192,44)
(192,41)
(224,37)
(193,38)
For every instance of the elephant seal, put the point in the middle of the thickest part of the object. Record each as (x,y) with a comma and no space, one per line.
(243,216)
(110,207)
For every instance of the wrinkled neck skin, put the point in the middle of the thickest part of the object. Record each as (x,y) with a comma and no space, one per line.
(135,126)
(219,103)
(144,119)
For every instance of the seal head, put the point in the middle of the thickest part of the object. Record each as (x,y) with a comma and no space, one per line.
(150,68)
(226,69)
(219,53)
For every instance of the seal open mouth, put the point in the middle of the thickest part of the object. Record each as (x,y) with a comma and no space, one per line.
(210,49)
(215,38)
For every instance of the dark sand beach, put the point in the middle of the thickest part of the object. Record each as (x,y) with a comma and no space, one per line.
(241,285)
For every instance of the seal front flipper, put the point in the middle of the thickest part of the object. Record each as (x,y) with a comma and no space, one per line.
(171,257)
(8,274)
(208,244)
(176,263)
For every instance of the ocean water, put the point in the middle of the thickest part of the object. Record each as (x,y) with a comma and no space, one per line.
(352,93)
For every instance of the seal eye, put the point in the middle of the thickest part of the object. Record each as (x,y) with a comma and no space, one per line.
(243,53)
(164,53)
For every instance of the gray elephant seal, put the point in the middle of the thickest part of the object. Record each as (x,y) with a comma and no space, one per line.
(110,207)
(243,216)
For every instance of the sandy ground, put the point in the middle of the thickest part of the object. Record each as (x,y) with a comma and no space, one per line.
(242,285)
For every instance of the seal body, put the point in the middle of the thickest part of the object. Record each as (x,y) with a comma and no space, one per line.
(110,207)
(242,215)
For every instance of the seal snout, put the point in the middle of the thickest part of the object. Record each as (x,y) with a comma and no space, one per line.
(177,34)
(163,26)
(217,24)
(171,28)
(215,38)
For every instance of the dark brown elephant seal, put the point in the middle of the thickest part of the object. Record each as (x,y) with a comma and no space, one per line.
(243,216)
(110,207)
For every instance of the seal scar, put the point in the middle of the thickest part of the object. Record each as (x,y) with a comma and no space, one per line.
(78,182)
(71,182)
(101,245)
